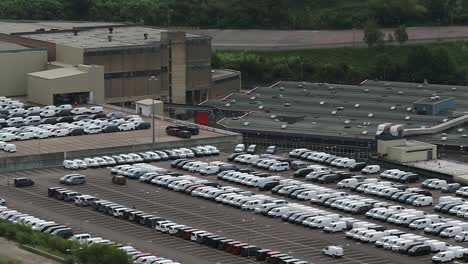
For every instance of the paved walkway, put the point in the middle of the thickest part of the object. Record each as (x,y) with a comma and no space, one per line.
(230,39)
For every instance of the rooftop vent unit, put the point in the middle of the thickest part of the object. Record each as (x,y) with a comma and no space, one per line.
(280,96)
(443,138)
(454,88)
(347,121)
(366,90)
(314,123)
(273,116)
(145,35)
(445,120)
(300,85)
(407,117)
(464,135)
(333,112)
(253,98)
(370,115)
(387,84)
(233,101)
(246,123)
(364,132)
(420,86)
(400,92)
(322,103)
(111,30)
(392,107)
(284,126)
(261,107)
(281,88)
(287,104)
(75,32)
(357,105)
(109,38)
(228,105)
(340,108)
(331,88)
(460,130)
(409,109)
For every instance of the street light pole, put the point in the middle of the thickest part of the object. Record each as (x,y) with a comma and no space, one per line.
(152,78)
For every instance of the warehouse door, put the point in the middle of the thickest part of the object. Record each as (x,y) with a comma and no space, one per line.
(71,98)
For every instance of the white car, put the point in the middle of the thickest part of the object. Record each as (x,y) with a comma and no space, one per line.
(79,111)
(333,251)
(126,126)
(80,163)
(91,163)
(62,132)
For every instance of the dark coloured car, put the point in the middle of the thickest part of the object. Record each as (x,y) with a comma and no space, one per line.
(110,129)
(50,120)
(408,178)
(420,250)
(451,188)
(23,182)
(303,172)
(77,131)
(358,166)
(98,115)
(65,119)
(63,112)
(184,134)
(144,125)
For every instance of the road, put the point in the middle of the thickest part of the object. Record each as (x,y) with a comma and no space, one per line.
(243,39)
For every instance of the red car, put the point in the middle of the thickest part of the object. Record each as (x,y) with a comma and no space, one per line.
(121,180)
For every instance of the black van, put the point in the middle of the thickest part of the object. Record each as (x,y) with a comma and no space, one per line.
(358,166)
(420,250)
(23,182)
(110,129)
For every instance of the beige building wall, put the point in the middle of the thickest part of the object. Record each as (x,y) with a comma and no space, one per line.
(383,145)
(69,55)
(42,90)
(179,67)
(14,67)
(223,88)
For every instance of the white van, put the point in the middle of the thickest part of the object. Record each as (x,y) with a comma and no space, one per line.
(347,163)
(92,129)
(96,109)
(371,169)
(423,201)
(239,148)
(64,107)
(61,132)
(30,119)
(333,251)
(210,170)
(25,136)
(47,113)
(276,212)
(79,111)
(43,134)
(279,166)
(126,126)
(420,223)
(10,148)
(70,165)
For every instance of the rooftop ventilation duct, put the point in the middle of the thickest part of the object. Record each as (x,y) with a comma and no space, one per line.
(111,30)
(145,35)
(109,38)
(397,130)
(382,128)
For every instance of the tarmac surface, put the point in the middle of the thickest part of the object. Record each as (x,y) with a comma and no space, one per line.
(230,222)
(239,39)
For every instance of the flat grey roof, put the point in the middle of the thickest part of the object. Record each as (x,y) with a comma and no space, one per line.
(17,26)
(98,37)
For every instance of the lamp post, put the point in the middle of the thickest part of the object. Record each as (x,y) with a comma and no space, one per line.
(153,78)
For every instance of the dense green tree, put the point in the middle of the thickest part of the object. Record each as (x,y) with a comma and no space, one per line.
(400,34)
(373,35)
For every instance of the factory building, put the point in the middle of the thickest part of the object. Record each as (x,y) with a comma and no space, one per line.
(138,62)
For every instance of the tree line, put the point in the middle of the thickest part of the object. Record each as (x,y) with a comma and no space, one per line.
(414,63)
(268,14)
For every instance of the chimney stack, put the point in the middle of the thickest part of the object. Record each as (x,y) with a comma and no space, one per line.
(111,29)
(145,35)
(109,38)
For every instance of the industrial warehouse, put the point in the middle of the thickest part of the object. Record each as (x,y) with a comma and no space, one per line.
(81,62)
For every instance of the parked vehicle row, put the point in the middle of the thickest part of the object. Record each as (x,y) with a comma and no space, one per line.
(398,193)
(168,227)
(74,128)
(182,131)
(399,176)
(452,205)
(37,224)
(148,156)
(249,179)
(329,159)
(251,149)
(264,161)
(204,168)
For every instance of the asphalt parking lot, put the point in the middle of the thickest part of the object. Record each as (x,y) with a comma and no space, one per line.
(233,223)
